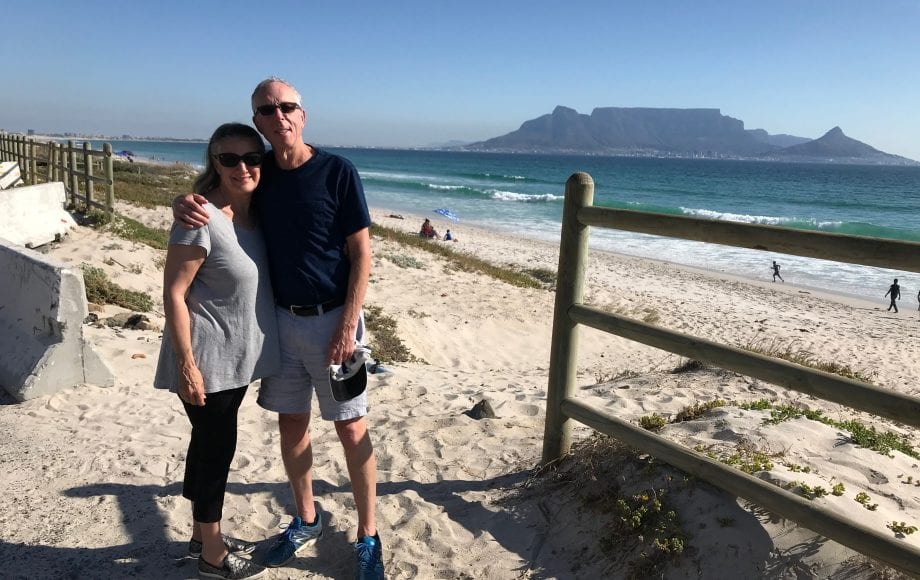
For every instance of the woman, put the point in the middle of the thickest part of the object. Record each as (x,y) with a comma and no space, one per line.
(220,335)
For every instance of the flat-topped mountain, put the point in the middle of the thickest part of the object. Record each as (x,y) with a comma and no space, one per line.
(648,131)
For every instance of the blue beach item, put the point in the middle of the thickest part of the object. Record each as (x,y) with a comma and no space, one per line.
(447,213)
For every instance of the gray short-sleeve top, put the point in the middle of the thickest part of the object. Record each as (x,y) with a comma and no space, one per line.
(231,308)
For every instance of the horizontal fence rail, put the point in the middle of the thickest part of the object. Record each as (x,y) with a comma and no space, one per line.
(901,255)
(827,386)
(569,312)
(73,165)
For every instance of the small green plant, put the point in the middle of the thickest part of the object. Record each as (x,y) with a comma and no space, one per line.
(405,261)
(544,275)
(806,491)
(688,366)
(747,460)
(758,405)
(807,359)
(455,259)
(860,434)
(101,290)
(864,499)
(901,529)
(135,231)
(696,411)
(819,491)
(838,489)
(386,345)
(653,422)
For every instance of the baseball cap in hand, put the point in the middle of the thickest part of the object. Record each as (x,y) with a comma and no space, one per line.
(349,379)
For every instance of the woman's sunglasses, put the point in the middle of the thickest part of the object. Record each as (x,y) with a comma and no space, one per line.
(252,159)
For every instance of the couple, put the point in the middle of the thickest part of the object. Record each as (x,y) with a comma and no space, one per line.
(297,216)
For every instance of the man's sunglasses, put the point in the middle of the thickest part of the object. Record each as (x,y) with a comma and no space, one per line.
(269,110)
(232,159)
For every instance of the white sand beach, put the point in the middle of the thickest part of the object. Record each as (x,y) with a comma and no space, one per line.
(92,476)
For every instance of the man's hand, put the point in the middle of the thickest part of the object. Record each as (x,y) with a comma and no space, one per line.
(187,211)
(342,346)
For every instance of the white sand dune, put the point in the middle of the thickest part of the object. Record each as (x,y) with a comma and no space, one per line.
(92,476)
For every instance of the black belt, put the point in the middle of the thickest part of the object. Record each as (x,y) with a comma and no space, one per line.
(315,309)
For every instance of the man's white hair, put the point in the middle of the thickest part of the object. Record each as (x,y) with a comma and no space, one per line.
(261,86)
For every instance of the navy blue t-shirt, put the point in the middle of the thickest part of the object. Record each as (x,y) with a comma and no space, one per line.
(306,213)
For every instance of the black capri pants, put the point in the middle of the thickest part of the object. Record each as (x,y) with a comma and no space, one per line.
(210,452)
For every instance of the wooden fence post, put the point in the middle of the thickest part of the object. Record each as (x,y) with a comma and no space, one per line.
(50,161)
(72,167)
(110,178)
(88,175)
(570,289)
(31,161)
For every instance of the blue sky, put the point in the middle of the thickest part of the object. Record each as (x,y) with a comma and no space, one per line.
(417,73)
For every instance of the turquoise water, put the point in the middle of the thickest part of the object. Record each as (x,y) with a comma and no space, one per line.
(523,194)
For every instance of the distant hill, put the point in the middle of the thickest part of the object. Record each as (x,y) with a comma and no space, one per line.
(647,131)
(836,147)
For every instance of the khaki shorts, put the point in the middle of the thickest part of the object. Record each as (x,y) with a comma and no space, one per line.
(304,369)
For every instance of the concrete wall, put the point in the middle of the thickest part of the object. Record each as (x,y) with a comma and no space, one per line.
(9,174)
(34,215)
(42,308)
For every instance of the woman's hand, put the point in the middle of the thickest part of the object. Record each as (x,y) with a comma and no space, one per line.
(191,385)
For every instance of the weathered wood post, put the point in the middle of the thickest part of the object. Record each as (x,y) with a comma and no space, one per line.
(31,161)
(72,171)
(88,175)
(110,178)
(570,289)
(50,161)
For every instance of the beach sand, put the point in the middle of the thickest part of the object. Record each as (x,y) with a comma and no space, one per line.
(92,476)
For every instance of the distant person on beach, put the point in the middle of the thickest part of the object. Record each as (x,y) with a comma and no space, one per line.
(216,278)
(776,272)
(316,226)
(448,236)
(895,292)
(428,231)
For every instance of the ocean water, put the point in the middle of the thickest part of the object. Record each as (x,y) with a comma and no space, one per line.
(524,194)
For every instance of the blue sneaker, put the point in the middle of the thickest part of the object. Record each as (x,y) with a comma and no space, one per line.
(370,558)
(296,537)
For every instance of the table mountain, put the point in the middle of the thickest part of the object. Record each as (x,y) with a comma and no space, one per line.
(673,132)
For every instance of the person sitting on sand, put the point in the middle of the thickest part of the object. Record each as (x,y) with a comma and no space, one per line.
(216,279)
(449,237)
(895,292)
(428,231)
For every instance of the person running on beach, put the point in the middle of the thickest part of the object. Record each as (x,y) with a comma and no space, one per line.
(776,272)
(316,226)
(895,292)
(215,278)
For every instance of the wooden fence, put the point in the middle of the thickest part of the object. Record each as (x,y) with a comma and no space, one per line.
(562,407)
(41,162)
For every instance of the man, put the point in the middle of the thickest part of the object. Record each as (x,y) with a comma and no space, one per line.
(895,292)
(776,272)
(315,221)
